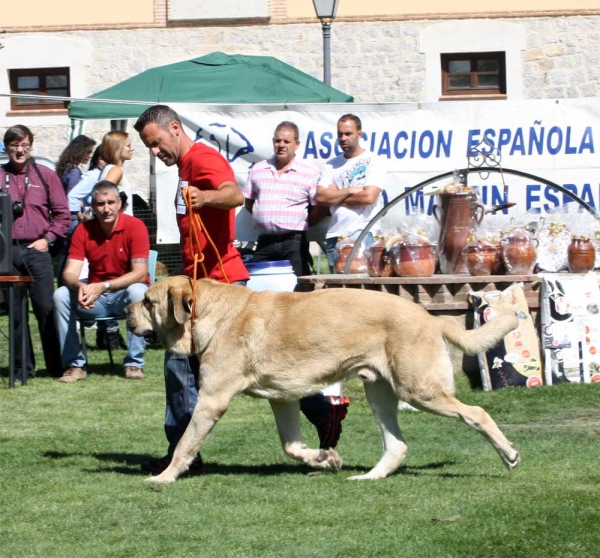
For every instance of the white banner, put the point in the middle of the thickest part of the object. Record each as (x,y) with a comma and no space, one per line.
(554,140)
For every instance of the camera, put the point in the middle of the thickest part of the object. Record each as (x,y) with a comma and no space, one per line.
(17,208)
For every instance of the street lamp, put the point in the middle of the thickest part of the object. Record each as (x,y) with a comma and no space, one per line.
(326,10)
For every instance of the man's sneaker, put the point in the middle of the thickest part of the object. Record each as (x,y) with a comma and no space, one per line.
(157,466)
(73,374)
(134,373)
(330,429)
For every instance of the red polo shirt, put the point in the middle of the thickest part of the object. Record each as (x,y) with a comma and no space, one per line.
(205,168)
(110,256)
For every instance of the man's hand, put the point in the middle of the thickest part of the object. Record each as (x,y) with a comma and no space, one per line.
(41,245)
(88,294)
(227,196)
(196,197)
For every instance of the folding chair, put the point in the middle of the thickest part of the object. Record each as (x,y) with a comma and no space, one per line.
(152,259)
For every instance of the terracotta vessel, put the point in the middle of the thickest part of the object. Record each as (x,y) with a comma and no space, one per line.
(379,262)
(358,264)
(414,259)
(581,255)
(458,215)
(519,251)
(482,258)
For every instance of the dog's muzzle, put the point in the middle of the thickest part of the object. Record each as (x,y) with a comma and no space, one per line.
(151,337)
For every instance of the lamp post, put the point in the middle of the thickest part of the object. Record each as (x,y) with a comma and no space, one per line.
(326,10)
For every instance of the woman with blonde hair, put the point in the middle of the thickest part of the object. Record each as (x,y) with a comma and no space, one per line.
(115,149)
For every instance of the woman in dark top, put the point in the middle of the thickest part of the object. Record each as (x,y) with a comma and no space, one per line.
(78,152)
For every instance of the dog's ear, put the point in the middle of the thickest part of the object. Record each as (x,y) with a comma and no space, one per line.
(181,299)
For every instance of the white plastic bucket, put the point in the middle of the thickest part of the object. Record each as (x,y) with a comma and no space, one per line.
(271,276)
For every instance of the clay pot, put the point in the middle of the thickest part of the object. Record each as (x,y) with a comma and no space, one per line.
(358,264)
(481,258)
(581,255)
(379,263)
(459,215)
(414,259)
(519,251)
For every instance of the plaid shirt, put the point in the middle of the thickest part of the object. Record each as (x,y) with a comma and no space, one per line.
(281,201)
(36,222)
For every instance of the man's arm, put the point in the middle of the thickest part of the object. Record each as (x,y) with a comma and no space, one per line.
(335,196)
(249,205)
(366,197)
(71,274)
(90,292)
(227,196)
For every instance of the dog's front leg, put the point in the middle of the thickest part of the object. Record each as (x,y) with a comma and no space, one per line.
(209,409)
(287,418)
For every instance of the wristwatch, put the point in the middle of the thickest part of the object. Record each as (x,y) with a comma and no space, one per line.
(49,241)
(106,287)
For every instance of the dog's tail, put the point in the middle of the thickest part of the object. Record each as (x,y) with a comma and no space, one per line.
(478,340)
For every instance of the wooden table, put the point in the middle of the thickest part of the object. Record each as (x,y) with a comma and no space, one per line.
(438,293)
(10,283)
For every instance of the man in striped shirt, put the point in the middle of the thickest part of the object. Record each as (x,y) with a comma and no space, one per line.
(280,194)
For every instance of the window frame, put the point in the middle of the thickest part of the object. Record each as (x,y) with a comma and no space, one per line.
(496,92)
(41,105)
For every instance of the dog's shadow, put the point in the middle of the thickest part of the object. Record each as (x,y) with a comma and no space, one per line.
(129,464)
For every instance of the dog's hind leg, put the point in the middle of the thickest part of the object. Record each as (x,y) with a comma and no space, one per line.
(476,418)
(287,418)
(384,403)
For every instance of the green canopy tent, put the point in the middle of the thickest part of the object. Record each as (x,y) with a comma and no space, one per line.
(215,78)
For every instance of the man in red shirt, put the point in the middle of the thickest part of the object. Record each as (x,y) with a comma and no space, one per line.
(209,182)
(116,246)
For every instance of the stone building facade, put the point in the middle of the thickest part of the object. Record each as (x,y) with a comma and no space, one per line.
(379,53)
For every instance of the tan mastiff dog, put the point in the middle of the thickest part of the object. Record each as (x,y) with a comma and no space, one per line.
(284,346)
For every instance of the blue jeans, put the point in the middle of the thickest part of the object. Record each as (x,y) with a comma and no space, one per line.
(182,383)
(67,312)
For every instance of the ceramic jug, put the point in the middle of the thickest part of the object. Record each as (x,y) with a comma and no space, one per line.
(519,251)
(414,259)
(581,255)
(482,258)
(458,215)
(378,259)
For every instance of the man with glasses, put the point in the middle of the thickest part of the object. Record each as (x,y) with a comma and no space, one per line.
(40,217)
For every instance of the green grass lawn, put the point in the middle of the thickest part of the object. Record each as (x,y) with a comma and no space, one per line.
(70,484)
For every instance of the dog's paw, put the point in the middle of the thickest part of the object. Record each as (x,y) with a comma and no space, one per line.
(161,479)
(512,463)
(329,459)
(367,476)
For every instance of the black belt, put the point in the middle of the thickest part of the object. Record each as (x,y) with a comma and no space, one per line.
(282,236)
(17,241)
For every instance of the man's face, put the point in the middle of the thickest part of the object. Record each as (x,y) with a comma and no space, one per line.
(164,144)
(348,136)
(19,151)
(106,206)
(284,145)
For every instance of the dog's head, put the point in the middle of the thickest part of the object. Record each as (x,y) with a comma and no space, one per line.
(165,315)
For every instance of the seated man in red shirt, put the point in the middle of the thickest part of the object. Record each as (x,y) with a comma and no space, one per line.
(116,246)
